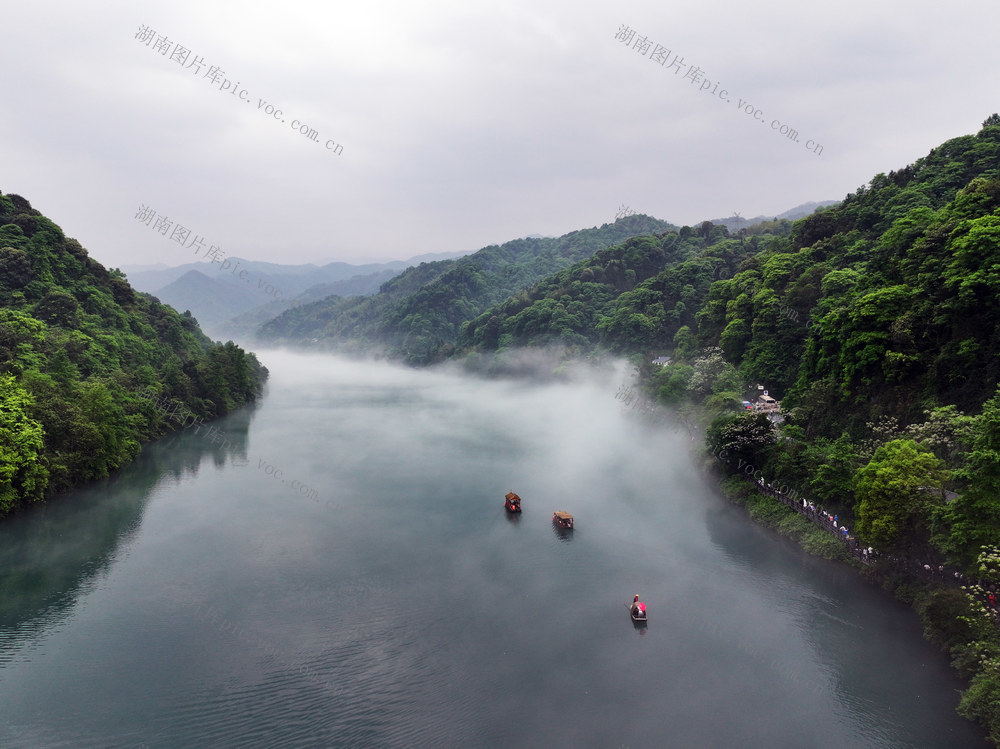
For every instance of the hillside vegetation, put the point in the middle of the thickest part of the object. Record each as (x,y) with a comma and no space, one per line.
(90,369)
(628,298)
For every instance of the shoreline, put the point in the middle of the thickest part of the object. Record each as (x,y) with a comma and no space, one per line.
(941,608)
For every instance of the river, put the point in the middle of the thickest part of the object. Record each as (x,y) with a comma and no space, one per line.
(334,568)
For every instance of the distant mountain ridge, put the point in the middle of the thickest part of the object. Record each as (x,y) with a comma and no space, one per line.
(734,223)
(225,305)
(228,307)
(293,278)
(214,300)
(244,326)
(416,316)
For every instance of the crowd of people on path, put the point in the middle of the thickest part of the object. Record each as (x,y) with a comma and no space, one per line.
(988,594)
(827,520)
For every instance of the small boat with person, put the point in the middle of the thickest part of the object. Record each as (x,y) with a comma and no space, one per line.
(562,519)
(512,502)
(637,610)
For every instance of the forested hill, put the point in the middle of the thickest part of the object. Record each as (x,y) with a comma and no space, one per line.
(874,321)
(90,369)
(890,298)
(881,305)
(416,316)
(592,304)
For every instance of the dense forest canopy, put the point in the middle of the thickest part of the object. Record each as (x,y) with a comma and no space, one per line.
(90,369)
(632,297)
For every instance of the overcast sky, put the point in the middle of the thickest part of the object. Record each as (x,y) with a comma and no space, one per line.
(446,126)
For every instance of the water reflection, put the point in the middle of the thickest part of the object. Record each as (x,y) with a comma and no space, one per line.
(51,553)
(563,534)
(640,626)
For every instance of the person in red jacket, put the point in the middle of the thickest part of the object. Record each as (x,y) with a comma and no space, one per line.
(638,608)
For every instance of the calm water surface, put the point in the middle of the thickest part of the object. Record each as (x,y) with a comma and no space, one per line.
(335,569)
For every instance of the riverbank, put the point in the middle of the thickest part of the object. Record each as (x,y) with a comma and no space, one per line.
(958,616)
(771,513)
(951,618)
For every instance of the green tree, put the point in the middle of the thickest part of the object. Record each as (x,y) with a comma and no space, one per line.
(974,518)
(832,478)
(897,492)
(685,342)
(15,268)
(980,653)
(58,308)
(22,473)
(741,440)
(670,383)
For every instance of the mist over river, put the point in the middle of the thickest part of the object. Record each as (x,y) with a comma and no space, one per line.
(334,568)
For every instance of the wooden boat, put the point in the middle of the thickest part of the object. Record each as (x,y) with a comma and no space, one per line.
(637,611)
(512,502)
(562,518)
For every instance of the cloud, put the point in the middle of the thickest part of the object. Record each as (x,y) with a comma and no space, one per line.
(463,125)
